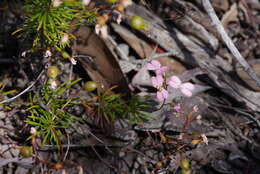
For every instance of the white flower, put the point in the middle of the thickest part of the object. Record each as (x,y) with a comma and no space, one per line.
(119,18)
(53,84)
(33,131)
(65,38)
(47,54)
(195,108)
(73,61)
(85,2)
(198,117)
(56,3)
(24,53)
(205,139)
(80,170)
(102,30)
(127,2)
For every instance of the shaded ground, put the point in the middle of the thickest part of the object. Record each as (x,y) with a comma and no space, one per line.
(230,123)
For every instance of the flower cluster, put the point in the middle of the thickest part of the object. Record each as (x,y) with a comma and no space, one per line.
(160,83)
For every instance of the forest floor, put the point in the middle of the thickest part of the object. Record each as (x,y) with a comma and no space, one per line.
(217,130)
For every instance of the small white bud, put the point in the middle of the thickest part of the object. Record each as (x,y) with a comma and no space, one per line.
(52,84)
(73,61)
(198,117)
(205,139)
(65,38)
(47,54)
(127,2)
(56,3)
(33,131)
(24,53)
(85,2)
(195,108)
(102,30)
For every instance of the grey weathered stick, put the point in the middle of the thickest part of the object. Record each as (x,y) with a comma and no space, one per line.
(24,91)
(215,21)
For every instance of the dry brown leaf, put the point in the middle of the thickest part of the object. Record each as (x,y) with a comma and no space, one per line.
(255,64)
(144,50)
(99,62)
(230,16)
(220,4)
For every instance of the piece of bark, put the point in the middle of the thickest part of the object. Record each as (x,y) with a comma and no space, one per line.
(255,64)
(141,47)
(98,61)
(186,24)
(144,50)
(230,16)
(196,55)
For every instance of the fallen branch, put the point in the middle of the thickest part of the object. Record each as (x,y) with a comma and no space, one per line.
(25,90)
(216,22)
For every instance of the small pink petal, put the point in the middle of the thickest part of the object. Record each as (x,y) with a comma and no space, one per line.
(154,65)
(175,82)
(177,107)
(165,93)
(195,108)
(162,70)
(188,85)
(157,81)
(186,92)
(149,66)
(159,96)
(154,82)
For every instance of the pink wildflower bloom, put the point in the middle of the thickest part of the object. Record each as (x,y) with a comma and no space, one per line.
(186,89)
(195,108)
(177,107)
(162,70)
(157,81)
(156,66)
(175,82)
(162,94)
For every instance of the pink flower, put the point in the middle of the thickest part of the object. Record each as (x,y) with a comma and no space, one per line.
(156,66)
(162,70)
(162,94)
(186,89)
(157,81)
(175,82)
(177,107)
(195,108)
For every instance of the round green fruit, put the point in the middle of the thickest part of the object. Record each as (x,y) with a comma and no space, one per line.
(137,22)
(52,71)
(185,164)
(110,1)
(65,55)
(90,86)
(26,151)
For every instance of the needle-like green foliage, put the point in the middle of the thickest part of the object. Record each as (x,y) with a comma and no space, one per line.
(108,107)
(49,113)
(48,24)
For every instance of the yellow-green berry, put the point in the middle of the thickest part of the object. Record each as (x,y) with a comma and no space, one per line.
(185,164)
(90,86)
(110,1)
(26,151)
(52,71)
(65,55)
(137,22)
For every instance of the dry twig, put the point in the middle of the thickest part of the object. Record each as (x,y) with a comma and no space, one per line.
(215,21)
